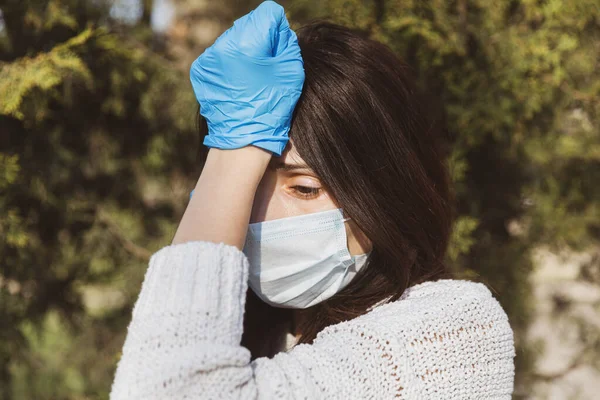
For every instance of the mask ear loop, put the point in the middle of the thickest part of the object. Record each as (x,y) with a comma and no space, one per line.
(352,260)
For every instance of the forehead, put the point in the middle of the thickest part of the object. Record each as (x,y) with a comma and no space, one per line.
(290,155)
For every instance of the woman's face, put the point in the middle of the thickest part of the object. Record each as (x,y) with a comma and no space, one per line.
(290,188)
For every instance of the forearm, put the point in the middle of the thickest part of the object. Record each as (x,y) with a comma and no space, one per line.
(220,208)
(184,337)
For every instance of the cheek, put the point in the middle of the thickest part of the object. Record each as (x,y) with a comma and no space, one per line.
(263,199)
(272,202)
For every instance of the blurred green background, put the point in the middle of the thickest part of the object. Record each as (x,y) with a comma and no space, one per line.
(98,150)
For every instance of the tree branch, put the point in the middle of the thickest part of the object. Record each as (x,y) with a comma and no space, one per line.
(113,228)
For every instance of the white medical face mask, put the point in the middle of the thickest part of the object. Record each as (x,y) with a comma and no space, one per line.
(297,262)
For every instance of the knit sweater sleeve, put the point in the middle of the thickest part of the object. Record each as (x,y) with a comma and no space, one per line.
(184,338)
(183,341)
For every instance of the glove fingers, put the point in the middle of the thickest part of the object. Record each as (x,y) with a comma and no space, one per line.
(249,80)
(263,32)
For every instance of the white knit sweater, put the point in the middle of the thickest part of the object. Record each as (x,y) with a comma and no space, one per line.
(448,339)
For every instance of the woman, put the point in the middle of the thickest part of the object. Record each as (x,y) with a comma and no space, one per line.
(350,213)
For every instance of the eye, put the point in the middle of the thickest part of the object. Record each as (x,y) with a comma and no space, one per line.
(306,192)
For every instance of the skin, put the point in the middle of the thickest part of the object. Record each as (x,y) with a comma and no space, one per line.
(260,187)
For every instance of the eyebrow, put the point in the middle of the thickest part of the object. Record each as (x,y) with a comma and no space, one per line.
(291,167)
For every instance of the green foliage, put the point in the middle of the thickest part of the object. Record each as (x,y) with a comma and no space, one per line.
(96,128)
(44,72)
(462,237)
(10,223)
(9,169)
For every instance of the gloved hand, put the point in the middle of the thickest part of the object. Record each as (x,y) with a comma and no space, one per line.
(249,81)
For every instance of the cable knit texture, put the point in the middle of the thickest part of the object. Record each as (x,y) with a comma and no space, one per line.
(445,339)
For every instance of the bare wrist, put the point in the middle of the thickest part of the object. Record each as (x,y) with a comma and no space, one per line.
(247,163)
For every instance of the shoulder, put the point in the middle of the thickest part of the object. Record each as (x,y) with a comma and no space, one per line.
(447,311)
(441,304)
(439,300)
(450,337)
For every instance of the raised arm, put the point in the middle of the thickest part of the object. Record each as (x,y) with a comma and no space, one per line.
(220,209)
(184,337)
(247,83)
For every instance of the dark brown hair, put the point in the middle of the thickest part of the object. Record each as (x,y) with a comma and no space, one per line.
(364,130)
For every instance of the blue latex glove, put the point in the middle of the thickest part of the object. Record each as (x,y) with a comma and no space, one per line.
(249,81)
